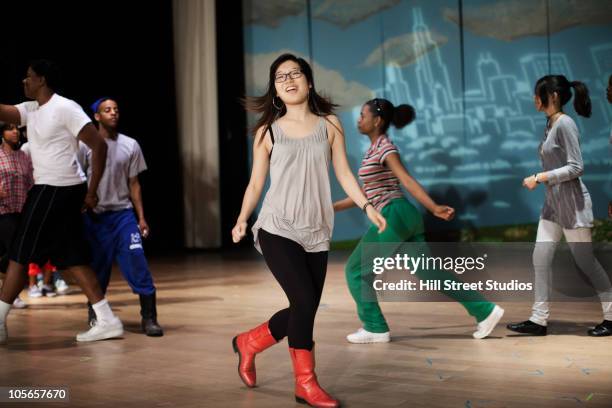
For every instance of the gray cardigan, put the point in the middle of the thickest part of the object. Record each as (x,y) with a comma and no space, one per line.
(567,200)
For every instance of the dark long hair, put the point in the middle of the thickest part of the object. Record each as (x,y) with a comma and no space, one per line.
(264,104)
(549,84)
(398,116)
(4,126)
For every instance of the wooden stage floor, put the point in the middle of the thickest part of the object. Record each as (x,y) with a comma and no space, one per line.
(205,299)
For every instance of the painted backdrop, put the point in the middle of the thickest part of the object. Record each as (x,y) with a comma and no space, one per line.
(469,72)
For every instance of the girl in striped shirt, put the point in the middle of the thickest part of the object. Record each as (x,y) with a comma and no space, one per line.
(381,173)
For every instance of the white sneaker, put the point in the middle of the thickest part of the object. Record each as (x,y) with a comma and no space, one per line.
(3,333)
(102,330)
(34,291)
(485,327)
(363,336)
(19,304)
(61,287)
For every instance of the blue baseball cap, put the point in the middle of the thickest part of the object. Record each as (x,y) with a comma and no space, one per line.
(96,104)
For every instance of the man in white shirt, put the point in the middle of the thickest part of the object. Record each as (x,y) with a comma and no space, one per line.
(113,231)
(51,224)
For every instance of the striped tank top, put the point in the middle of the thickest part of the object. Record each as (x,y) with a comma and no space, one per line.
(379,183)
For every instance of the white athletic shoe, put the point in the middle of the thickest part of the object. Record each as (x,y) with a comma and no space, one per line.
(363,336)
(34,291)
(485,327)
(3,333)
(61,287)
(102,330)
(19,304)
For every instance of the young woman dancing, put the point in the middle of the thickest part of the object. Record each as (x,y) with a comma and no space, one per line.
(382,172)
(296,137)
(567,207)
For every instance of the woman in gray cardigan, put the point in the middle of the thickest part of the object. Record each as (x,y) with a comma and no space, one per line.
(567,207)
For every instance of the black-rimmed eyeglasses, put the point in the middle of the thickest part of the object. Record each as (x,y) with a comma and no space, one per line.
(283,77)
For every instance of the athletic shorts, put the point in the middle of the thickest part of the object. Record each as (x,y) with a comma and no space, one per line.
(51,228)
(8,225)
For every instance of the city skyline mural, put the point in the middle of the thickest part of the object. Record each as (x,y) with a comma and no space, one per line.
(470,81)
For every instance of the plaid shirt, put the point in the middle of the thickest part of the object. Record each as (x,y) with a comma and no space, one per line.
(16,178)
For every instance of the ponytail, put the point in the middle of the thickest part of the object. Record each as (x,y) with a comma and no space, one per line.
(549,84)
(582,100)
(403,115)
(398,116)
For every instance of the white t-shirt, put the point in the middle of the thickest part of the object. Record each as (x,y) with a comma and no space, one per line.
(26,149)
(52,138)
(124,160)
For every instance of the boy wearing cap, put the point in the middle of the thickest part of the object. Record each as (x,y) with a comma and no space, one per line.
(113,231)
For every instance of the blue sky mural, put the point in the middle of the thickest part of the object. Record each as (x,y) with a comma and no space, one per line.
(477,132)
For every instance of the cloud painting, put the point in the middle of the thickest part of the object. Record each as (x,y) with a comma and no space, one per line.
(328,81)
(509,20)
(400,50)
(341,13)
(269,13)
(344,13)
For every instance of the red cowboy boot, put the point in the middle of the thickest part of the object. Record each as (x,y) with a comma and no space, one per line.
(307,389)
(247,345)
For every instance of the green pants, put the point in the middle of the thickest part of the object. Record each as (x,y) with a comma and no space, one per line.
(404,224)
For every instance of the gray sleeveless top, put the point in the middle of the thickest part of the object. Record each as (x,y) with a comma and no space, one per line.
(298,204)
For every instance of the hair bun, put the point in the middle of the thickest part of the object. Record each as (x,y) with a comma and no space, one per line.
(403,115)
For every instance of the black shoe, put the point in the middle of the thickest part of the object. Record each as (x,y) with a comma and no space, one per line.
(152,328)
(148,311)
(91,316)
(602,329)
(528,327)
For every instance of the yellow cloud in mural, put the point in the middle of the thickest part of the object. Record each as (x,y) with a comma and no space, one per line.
(327,81)
(509,20)
(403,50)
(342,13)
(270,12)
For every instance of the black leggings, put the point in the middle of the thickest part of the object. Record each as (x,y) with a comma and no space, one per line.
(301,274)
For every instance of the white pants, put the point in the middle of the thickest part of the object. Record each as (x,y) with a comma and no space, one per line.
(550,233)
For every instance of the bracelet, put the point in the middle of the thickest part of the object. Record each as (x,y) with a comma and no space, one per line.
(366,205)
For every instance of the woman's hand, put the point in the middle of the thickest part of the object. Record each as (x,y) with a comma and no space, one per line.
(239,231)
(444,211)
(530,183)
(376,218)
